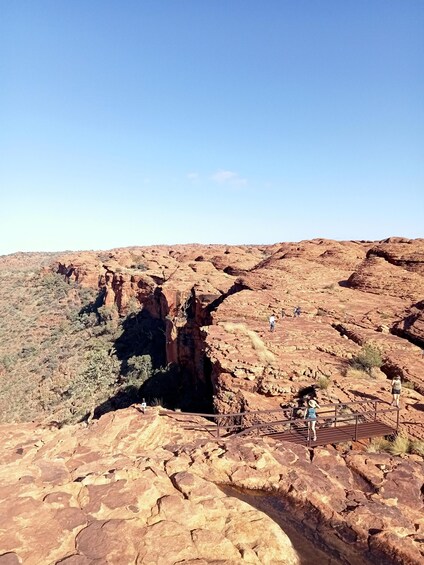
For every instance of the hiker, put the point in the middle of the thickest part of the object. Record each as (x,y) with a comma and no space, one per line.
(296,312)
(143,406)
(311,416)
(283,313)
(271,323)
(300,410)
(396,390)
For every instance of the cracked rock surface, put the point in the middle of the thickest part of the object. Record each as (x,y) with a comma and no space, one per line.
(143,489)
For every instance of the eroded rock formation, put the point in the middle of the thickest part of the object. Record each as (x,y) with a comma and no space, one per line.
(135,488)
(215,301)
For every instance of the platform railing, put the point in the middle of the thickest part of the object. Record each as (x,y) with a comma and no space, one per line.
(356,417)
(332,414)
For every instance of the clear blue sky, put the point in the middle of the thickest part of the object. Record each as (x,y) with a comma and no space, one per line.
(139,122)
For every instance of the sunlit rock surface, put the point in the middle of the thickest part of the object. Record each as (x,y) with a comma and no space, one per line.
(134,488)
(215,302)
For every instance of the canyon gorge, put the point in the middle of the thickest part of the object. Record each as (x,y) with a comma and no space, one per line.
(88,479)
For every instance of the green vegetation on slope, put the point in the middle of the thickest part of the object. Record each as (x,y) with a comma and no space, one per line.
(368,358)
(62,354)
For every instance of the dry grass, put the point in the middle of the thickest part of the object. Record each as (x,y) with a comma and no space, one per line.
(324,382)
(354,374)
(378,445)
(399,446)
(417,447)
(264,354)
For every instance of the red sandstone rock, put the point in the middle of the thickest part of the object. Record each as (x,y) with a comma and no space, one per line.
(164,506)
(217,300)
(117,513)
(381,277)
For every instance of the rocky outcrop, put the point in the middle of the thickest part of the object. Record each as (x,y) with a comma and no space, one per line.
(134,488)
(214,303)
(381,277)
(412,325)
(108,494)
(84,268)
(405,253)
(142,488)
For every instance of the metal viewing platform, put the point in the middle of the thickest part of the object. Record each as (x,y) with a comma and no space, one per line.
(336,423)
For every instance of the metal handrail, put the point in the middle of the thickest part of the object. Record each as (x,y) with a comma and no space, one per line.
(336,419)
(347,418)
(276,410)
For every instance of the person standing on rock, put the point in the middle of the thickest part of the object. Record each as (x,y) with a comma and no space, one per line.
(311,416)
(296,312)
(271,323)
(396,390)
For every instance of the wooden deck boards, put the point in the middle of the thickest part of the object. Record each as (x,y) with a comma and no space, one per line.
(338,434)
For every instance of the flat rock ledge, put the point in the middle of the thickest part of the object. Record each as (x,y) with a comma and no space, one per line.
(143,489)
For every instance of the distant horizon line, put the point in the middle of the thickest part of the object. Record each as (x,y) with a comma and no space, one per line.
(393,239)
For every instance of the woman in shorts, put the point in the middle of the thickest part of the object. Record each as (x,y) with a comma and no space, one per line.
(311,416)
(396,390)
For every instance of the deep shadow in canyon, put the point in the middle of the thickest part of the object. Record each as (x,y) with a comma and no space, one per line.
(146,375)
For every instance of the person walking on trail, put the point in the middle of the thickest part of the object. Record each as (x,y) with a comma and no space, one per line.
(396,390)
(296,312)
(311,416)
(271,323)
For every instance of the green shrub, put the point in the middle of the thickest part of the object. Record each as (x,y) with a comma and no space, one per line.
(109,318)
(133,306)
(88,320)
(140,369)
(368,358)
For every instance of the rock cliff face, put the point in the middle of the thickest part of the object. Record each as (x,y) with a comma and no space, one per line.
(214,302)
(130,488)
(136,488)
